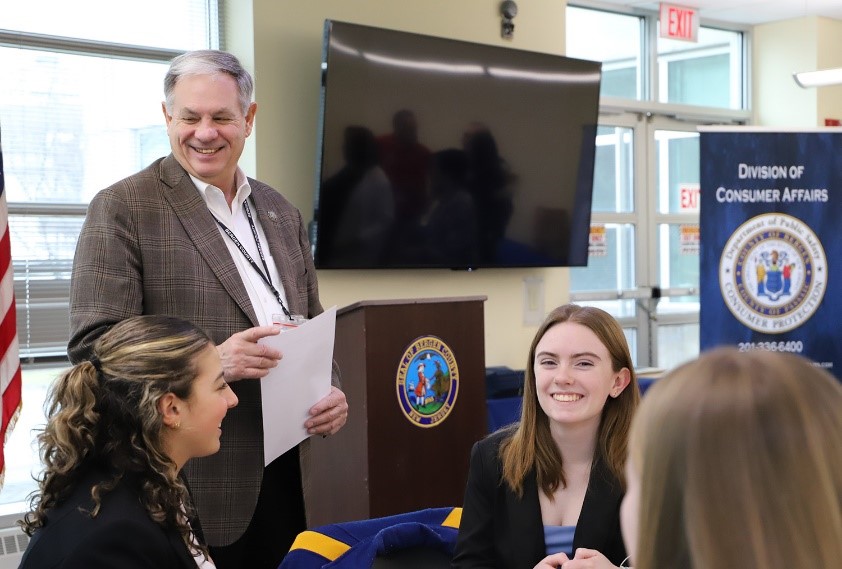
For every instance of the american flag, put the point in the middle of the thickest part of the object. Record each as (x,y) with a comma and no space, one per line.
(10,380)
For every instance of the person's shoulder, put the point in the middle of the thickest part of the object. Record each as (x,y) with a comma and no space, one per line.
(486,462)
(124,542)
(121,501)
(123,512)
(376,175)
(141,181)
(164,167)
(264,191)
(491,443)
(122,525)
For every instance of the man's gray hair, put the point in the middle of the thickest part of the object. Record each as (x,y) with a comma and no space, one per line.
(208,62)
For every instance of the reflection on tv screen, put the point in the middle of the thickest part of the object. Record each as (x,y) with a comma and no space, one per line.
(442,153)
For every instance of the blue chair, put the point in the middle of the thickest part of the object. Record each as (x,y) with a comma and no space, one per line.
(424,538)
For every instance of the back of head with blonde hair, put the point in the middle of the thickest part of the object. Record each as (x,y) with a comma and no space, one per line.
(740,462)
(104,413)
(531,445)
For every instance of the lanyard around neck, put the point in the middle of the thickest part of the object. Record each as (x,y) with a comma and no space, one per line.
(265,276)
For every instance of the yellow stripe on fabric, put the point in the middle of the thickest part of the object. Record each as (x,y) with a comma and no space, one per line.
(453,519)
(321,544)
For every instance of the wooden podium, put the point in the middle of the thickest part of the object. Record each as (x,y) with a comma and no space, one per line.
(390,457)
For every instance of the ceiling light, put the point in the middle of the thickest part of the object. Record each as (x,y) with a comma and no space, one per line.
(819,78)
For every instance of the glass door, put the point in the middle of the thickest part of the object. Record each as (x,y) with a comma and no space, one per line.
(674,246)
(644,241)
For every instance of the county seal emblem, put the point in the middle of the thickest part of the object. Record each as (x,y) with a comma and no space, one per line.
(773,273)
(427,381)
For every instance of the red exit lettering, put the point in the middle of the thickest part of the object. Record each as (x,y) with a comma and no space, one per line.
(679,22)
(689,198)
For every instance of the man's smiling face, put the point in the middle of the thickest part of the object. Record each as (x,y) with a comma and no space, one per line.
(207,127)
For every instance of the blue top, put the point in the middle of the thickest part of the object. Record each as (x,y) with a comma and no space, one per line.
(559,539)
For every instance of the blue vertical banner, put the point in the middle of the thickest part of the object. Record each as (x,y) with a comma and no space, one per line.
(771,242)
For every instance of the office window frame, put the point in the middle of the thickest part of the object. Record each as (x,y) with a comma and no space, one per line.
(647,309)
(42,286)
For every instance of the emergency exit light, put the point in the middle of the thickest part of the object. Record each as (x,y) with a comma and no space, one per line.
(679,22)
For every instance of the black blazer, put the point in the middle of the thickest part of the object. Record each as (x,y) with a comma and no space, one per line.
(500,530)
(121,535)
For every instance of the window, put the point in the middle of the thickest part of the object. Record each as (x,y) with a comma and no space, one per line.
(614,39)
(643,264)
(708,73)
(169,24)
(676,171)
(83,111)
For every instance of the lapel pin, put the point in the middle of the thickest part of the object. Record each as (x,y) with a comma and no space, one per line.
(272,215)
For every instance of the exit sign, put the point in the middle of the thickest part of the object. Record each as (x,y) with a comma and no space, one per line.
(689,197)
(679,22)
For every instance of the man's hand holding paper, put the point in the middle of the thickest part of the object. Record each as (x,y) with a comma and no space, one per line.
(329,414)
(298,398)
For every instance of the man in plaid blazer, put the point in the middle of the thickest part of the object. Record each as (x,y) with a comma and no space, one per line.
(154,243)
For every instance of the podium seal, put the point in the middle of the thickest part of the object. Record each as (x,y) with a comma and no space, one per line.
(427,381)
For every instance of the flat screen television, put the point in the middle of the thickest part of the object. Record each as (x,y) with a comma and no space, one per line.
(439,153)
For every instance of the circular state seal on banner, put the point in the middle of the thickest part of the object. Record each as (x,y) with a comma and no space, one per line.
(427,381)
(773,273)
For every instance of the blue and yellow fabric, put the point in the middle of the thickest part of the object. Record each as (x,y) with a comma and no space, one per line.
(354,545)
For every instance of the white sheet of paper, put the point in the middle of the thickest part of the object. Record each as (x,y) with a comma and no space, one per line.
(300,380)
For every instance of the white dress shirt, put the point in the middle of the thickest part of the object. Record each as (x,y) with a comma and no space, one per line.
(262,299)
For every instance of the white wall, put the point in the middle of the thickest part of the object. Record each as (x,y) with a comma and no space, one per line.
(783,48)
(780,49)
(286,59)
(829,104)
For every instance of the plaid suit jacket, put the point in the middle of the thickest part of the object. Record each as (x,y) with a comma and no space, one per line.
(149,245)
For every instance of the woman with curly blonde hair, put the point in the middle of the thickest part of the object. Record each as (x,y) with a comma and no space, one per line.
(735,460)
(119,429)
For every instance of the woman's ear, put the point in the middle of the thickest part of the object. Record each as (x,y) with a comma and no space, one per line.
(621,381)
(170,407)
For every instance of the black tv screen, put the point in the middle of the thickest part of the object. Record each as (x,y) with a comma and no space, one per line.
(448,154)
